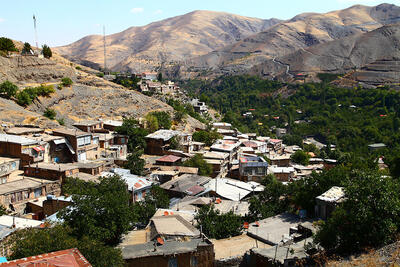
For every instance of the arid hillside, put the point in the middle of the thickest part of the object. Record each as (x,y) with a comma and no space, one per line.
(171,40)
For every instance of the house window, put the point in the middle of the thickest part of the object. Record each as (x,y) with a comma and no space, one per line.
(172,262)
(38,192)
(81,141)
(193,261)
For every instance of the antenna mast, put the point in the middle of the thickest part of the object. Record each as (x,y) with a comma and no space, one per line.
(36,36)
(104,44)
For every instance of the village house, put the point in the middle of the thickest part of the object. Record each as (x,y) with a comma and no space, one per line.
(72,257)
(283,174)
(226,146)
(84,145)
(28,150)
(258,146)
(7,166)
(198,106)
(186,185)
(24,130)
(275,144)
(52,204)
(152,76)
(51,171)
(222,125)
(137,186)
(280,132)
(112,125)
(169,160)
(252,168)
(280,160)
(193,252)
(219,162)
(158,143)
(327,202)
(230,189)
(89,126)
(164,174)
(15,195)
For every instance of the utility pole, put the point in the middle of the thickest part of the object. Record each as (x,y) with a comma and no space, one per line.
(104,44)
(36,36)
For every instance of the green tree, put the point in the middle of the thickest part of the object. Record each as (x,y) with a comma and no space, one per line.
(369,217)
(7,45)
(8,90)
(272,201)
(300,157)
(160,77)
(23,98)
(50,113)
(198,161)
(46,51)
(216,225)
(152,123)
(102,213)
(303,192)
(207,137)
(163,119)
(135,163)
(32,241)
(136,135)
(144,210)
(66,81)
(26,49)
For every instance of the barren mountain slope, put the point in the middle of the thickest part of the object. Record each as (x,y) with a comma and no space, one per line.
(177,38)
(90,97)
(301,32)
(376,53)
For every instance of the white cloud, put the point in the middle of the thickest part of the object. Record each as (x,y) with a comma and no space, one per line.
(136,10)
(2,20)
(158,11)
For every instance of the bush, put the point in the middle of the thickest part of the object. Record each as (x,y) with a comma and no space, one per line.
(46,51)
(78,68)
(61,121)
(23,98)
(100,74)
(50,113)
(7,45)
(8,89)
(198,161)
(26,49)
(26,96)
(66,81)
(300,157)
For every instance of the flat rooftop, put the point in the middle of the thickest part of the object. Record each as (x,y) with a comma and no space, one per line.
(54,166)
(168,248)
(16,139)
(70,132)
(235,246)
(24,130)
(22,184)
(272,230)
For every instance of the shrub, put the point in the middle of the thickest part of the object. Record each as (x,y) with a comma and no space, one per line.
(50,113)
(8,89)
(23,98)
(61,121)
(26,49)
(78,68)
(7,45)
(100,74)
(46,51)
(66,81)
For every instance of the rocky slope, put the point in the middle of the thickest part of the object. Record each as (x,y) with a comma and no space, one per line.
(174,39)
(90,97)
(375,55)
(299,33)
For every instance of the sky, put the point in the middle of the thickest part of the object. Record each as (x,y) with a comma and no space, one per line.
(61,22)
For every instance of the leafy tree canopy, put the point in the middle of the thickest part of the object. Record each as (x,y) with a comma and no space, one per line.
(198,161)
